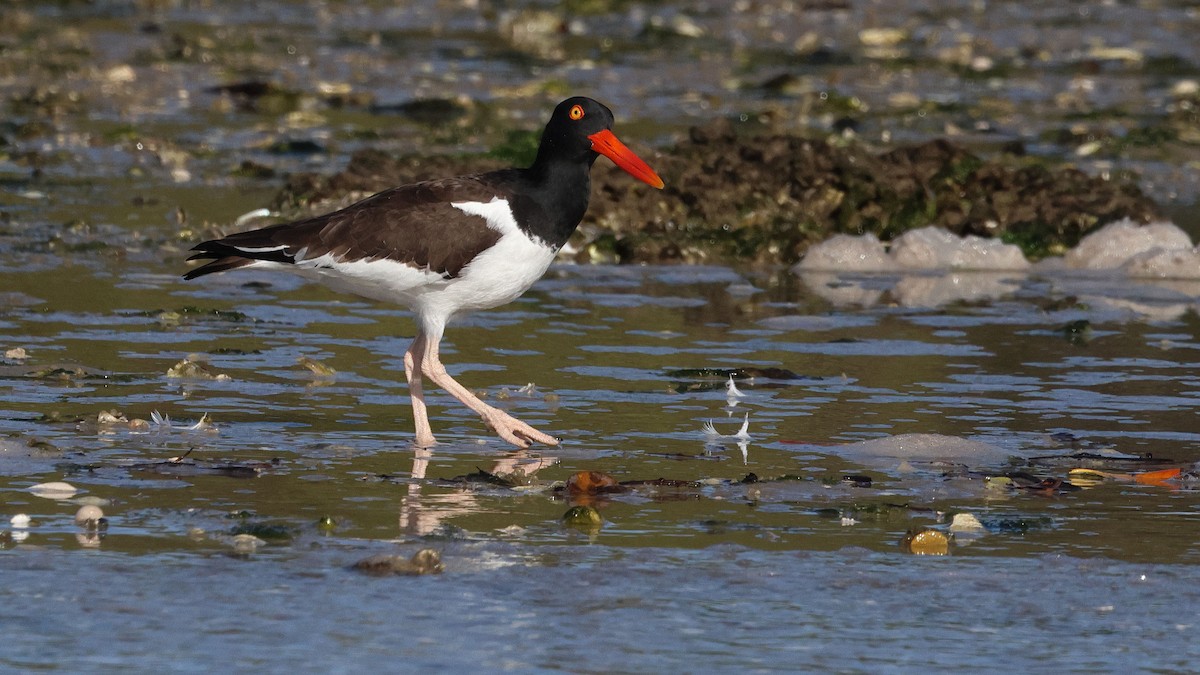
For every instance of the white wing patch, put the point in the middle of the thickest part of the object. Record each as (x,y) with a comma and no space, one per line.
(497,213)
(499,217)
(260,249)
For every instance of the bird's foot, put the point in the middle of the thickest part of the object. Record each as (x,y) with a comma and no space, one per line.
(515,431)
(424,440)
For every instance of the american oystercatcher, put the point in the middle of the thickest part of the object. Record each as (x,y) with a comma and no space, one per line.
(447,247)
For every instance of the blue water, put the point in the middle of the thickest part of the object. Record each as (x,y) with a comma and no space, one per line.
(595,609)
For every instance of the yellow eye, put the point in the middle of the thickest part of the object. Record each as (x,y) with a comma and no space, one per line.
(576,112)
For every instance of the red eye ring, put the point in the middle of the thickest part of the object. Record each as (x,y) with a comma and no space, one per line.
(576,112)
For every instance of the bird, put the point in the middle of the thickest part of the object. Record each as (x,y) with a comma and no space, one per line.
(446,247)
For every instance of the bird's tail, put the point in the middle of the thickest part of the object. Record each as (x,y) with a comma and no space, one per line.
(226,255)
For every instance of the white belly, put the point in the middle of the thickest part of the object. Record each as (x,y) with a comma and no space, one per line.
(496,277)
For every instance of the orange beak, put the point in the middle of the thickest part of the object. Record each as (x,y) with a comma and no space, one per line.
(606,143)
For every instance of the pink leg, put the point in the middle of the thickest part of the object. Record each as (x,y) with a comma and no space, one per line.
(413,356)
(508,427)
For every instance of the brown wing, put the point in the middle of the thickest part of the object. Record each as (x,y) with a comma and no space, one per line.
(413,224)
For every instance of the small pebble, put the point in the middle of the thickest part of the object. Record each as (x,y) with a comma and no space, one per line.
(1184,88)
(89,516)
(246,543)
(54,490)
(20,520)
(965,522)
(111,417)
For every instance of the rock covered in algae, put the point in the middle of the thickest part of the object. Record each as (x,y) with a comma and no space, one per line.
(425,561)
(585,518)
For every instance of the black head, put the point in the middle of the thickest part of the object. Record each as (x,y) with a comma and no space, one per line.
(573,120)
(580,130)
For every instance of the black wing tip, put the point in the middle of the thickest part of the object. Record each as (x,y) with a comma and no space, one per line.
(208,250)
(220,264)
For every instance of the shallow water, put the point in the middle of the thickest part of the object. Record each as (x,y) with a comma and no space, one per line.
(798,570)
(802,572)
(599,609)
